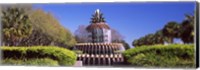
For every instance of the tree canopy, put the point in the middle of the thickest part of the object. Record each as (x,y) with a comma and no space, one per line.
(16,26)
(37,28)
(183,31)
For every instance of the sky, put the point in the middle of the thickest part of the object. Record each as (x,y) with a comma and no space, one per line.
(131,20)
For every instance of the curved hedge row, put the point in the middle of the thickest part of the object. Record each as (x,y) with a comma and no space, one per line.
(37,62)
(62,55)
(175,55)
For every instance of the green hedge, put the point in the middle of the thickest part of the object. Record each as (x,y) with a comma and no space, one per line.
(64,56)
(37,62)
(174,55)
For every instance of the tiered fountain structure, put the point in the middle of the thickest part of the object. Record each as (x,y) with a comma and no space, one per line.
(99,50)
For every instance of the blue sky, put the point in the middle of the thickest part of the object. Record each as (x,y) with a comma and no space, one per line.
(132,20)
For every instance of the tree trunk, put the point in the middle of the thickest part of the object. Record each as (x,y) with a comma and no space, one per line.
(171,40)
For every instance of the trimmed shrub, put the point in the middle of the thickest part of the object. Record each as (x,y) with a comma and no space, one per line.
(37,62)
(64,56)
(174,55)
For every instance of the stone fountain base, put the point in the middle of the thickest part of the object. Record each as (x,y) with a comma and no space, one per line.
(100,54)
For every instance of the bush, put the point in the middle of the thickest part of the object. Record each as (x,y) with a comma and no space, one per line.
(175,55)
(63,56)
(40,62)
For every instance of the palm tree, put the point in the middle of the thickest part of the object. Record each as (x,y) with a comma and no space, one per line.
(171,30)
(187,29)
(15,25)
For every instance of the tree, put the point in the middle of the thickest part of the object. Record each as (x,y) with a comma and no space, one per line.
(81,34)
(150,39)
(125,44)
(171,30)
(16,25)
(116,36)
(146,40)
(135,43)
(187,29)
(159,37)
(47,31)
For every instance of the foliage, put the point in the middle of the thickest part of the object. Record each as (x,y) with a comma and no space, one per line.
(81,34)
(187,29)
(37,62)
(174,55)
(63,56)
(37,28)
(150,39)
(16,25)
(116,36)
(48,31)
(171,30)
(124,43)
(183,31)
